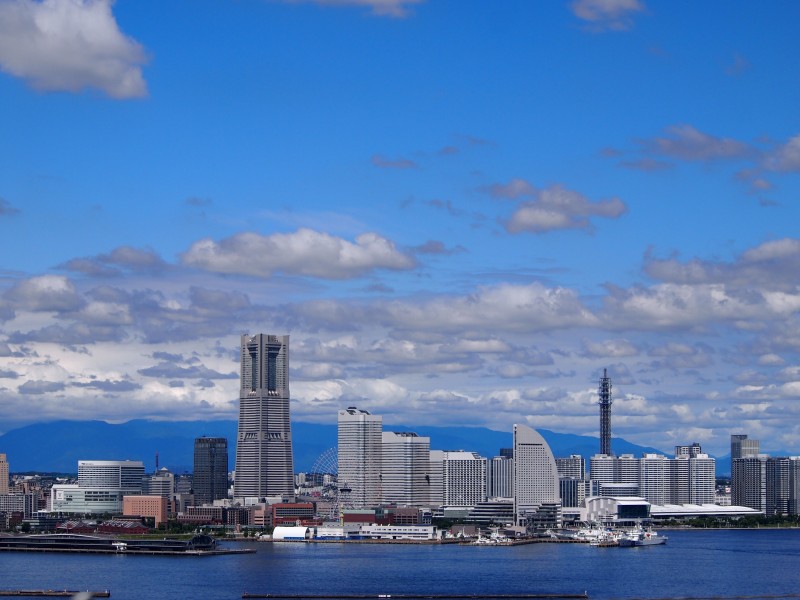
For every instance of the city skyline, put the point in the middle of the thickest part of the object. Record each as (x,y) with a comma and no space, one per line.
(461,213)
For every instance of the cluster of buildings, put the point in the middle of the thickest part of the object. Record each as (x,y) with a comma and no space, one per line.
(768,484)
(393,479)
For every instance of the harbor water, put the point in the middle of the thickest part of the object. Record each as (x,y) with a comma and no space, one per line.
(693,564)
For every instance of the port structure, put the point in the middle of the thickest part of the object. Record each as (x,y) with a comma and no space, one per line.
(604,392)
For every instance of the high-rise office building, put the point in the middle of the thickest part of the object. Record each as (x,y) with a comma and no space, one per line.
(210,478)
(264,465)
(535,474)
(405,468)
(161,483)
(741,447)
(3,474)
(101,487)
(359,457)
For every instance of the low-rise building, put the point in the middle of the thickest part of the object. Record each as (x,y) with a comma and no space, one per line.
(399,532)
(154,507)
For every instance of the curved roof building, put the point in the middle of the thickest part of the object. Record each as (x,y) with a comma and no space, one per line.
(535,473)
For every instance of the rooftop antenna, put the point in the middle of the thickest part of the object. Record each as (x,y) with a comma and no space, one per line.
(156,461)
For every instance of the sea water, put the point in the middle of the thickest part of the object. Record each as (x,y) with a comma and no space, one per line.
(694,563)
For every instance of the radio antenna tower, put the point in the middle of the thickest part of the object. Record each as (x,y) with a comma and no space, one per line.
(604,391)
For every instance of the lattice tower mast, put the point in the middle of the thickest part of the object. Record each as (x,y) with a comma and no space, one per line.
(604,391)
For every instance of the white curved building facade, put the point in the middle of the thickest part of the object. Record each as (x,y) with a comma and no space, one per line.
(535,473)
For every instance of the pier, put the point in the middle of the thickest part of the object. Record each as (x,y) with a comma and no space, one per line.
(53,593)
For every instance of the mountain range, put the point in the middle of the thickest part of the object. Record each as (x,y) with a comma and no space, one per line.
(58,445)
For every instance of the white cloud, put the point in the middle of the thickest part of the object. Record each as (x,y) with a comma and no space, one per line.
(675,306)
(785,157)
(607,14)
(45,293)
(70,45)
(559,208)
(305,252)
(610,348)
(770,265)
(688,143)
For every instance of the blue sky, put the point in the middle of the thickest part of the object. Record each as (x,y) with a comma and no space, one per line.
(460,211)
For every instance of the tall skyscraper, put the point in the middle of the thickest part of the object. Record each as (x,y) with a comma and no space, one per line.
(3,474)
(535,473)
(604,393)
(264,465)
(210,469)
(405,468)
(741,447)
(749,482)
(359,457)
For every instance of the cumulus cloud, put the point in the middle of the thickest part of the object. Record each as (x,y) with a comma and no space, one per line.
(600,15)
(170,370)
(106,385)
(685,142)
(609,348)
(772,265)
(694,306)
(379,8)
(70,45)
(516,307)
(141,260)
(557,208)
(305,252)
(41,387)
(437,247)
(45,293)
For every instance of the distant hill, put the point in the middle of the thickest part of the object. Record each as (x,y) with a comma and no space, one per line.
(57,446)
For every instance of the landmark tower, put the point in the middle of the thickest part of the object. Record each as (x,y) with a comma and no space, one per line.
(264,465)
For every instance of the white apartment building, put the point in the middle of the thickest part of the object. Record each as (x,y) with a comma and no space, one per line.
(457,478)
(687,479)
(405,468)
(359,457)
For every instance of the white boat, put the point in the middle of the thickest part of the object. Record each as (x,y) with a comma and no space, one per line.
(642,537)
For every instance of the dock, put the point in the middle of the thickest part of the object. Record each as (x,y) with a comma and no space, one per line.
(53,593)
(583,596)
